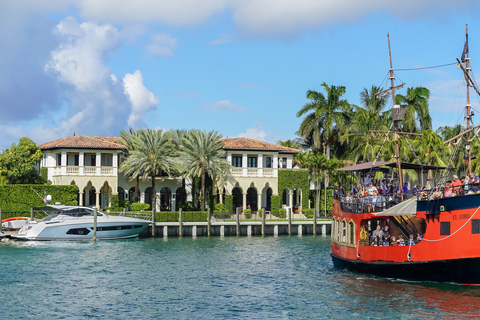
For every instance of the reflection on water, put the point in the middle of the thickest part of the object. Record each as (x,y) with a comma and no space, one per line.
(205,278)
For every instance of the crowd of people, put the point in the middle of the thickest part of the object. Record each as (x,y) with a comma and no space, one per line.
(385,193)
(383,237)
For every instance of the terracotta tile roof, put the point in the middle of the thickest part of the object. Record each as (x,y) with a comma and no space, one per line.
(252,144)
(84,142)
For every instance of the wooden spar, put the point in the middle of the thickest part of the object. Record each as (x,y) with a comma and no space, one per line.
(398,132)
(469,80)
(461,134)
(395,129)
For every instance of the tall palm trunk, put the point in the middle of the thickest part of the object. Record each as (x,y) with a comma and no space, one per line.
(202,191)
(136,196)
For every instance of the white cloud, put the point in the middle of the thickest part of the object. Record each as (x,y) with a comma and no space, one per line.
(258,133)
(223,38)
(172,12)
(79,60)
(141,98)
(223,106)
(162,46)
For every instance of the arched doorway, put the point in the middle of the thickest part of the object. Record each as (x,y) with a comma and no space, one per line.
(237,198)
(269,199)
(285,197)
(252,199)
(148,196)
(92,197)
(131,194)
(180,198)
(105,193)
(165,199)
(121,194)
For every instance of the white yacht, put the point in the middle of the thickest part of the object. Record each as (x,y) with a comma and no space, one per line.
(76,223)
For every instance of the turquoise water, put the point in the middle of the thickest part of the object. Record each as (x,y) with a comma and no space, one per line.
(209,278)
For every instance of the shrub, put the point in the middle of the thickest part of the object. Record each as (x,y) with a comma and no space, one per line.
(139,206)
(229,203)
(247,213)
(189,206)
(282,213)
(308,212)
(220,211)
(260,212)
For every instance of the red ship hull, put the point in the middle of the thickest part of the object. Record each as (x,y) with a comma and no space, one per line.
(449,251)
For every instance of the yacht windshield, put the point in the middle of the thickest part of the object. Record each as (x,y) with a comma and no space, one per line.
(79,212)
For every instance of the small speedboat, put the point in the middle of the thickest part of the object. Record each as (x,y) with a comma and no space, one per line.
(14,223)
(77,223)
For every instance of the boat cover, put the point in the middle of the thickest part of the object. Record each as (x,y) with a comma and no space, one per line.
(405,208)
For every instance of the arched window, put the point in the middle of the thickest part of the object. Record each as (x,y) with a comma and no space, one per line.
(338,230)
(351,233)
(344,231)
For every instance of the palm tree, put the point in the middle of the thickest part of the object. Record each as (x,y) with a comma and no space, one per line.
(415,105)
(326,117)
(151,156)
(362,144)
(130,139)
(203,154)
(294,144)
(318,166)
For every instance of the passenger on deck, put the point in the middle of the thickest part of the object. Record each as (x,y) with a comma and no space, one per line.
(456,183)
(437,194)
(393,243)
(474,182)
(424,194)
(400,241)
(448,189)
(419,237)
(411,242)
(405,188)
(386,235)
(377,235)
(354,190)
(348,198)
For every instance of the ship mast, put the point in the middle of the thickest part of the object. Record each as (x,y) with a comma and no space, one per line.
(396,116)
(469,117)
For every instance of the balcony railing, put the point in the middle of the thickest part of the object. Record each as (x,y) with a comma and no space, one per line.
(87,171)
(253,172)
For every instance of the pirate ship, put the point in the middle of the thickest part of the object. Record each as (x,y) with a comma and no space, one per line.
(431,236)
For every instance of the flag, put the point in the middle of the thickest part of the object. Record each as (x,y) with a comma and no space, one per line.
(465,49)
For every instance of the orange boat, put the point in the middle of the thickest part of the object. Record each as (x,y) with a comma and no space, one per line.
(436,234)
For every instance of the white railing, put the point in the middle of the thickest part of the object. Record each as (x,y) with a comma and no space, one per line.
(267,172)
(87,171)
(237,172)
(252,172)
(73,170)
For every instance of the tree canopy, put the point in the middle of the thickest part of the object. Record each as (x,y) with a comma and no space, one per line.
(19,163)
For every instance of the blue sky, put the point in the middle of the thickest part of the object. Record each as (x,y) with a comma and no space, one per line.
(239,67)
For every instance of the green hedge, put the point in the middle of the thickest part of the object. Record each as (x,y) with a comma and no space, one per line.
(229,203)
(188,216)
(282,213)
(18,199)
(294,179)
(329,201)
(247,213)
(308,212)
(139,206)
(276,204)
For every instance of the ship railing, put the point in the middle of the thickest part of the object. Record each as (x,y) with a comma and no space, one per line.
(376,203)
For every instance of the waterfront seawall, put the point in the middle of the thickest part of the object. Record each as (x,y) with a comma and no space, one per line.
(244,228)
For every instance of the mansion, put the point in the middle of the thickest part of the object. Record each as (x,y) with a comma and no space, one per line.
(92,163)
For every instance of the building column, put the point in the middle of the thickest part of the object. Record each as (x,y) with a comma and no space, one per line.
(115,164)
(80,198)
(245,164)
(220,196)
(81,163)
(259,200)
(244,201)
(275,165)
(260,165)
(97,200)
(64,163)
(98,163)
(290,199)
